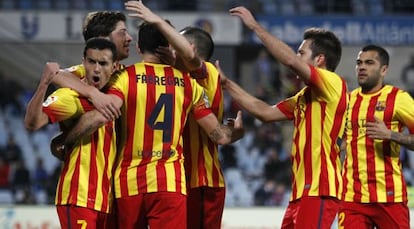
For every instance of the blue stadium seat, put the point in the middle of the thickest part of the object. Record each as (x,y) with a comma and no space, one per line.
(79,4)
(116,5)
(61,4)
(25,5)
(97,5)
(7,4)
(43,4)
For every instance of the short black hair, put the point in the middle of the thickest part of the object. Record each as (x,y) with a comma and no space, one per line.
(100,44)
(384,57)
(150,38)
(201,39)
(101,23)
(327,43)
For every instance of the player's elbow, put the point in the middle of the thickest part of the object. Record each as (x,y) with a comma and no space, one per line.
(31,125)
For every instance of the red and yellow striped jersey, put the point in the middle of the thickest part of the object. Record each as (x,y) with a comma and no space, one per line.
(157,100)
(202,165)
(318,113)
(86,176)
(372,168)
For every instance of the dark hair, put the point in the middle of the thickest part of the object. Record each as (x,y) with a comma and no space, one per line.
(150,38)
(384,57)
(325,42)
(100,44)
(201,39)
(101,23)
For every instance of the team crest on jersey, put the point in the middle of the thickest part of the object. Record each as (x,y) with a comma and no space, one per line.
(50,100)
(205,97)
(72,69)
(380,106)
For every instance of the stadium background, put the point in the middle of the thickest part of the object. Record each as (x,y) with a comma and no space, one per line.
(257,167)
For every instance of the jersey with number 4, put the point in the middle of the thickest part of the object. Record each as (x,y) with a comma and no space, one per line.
(156,102)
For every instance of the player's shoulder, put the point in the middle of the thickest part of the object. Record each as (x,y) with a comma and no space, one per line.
(61,94)
(78,70)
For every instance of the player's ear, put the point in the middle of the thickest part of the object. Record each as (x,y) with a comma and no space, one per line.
(384,70)
(138,49)
(320,60)
(114,66)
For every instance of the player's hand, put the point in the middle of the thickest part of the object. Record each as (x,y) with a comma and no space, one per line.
(378,130)
(139,10)
(50,70)
(166,55)
(236,125)
(105,104)
(245,15)
(58,149)
(223,77)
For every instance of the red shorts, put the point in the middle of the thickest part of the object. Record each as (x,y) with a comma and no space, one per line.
(370,215)
(156,210)
(205,207)
(71,216)
(311,212)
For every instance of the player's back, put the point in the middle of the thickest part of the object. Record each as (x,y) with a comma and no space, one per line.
(157,100)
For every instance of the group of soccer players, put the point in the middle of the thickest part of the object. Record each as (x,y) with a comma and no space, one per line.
(132,135)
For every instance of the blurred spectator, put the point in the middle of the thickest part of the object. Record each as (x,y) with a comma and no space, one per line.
(333,6)
(228,157)
(277,169)
(52,183)
(251,164)
(21,176)
(271,193)
(10,92)
(407,76)
(182,5)
(4,174)
(24,196)
(402,6)
(263,195)
(40,176)
(266,76)
(281,195)
(12,152)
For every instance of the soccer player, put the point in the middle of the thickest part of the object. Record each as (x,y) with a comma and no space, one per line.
(106,24)
(205,180)
(84,193)
(317,112)
(110,25)
(374,190)
(156,99)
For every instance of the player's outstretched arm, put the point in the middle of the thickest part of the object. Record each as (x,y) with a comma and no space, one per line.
(180,44)
(279,50)
(258,108)
(35,118)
